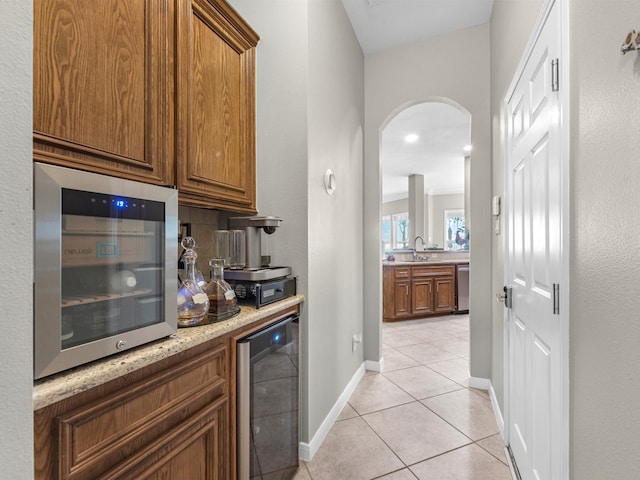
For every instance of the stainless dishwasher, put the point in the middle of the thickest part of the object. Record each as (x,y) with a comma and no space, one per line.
(462,288)
(267,402)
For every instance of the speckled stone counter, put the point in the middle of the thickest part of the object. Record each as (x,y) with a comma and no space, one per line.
(70,382)
(425,262)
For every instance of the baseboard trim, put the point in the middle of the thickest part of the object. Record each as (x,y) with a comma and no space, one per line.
(485,384)
(479,383)
(496,410)
(374,366)
(306,451)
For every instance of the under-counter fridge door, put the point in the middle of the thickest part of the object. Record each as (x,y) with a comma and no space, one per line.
(268,402)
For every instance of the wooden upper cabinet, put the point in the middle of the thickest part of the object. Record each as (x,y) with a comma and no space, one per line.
(215,105)
(160,91)
(103,78)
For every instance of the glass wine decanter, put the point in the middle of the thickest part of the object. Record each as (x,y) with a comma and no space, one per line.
(223,303)
(193,303)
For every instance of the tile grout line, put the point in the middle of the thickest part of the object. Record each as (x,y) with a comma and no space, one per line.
(475,393)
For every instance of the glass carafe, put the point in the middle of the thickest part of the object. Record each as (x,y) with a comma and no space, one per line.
(193,303)
(223,303)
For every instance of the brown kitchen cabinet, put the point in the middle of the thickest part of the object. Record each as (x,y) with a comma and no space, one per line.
(396,292)
(418,291)
(160,91)
(215,107)
(168,420)
(175,418)
(102,77)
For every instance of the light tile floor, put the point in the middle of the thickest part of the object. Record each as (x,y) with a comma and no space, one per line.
(418,419)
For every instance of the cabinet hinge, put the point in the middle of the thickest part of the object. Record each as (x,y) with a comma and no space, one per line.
(556,299)
(555,75)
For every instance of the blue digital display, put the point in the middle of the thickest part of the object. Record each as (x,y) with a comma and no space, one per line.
(276,338)
(120,203)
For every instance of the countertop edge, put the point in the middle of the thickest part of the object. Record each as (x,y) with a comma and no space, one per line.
(73,381)
(387,263)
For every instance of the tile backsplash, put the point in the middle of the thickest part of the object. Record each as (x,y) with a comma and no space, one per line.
(203,225)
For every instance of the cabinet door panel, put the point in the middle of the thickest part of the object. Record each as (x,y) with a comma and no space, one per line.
(216,103)
(444,298)
(98,436)
(422,296)
(195,450)
(402,298)
(101,86)
(388,293)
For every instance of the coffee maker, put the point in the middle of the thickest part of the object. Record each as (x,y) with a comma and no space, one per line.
(258,281)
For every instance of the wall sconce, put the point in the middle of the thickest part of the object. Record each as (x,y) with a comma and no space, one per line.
(632,42)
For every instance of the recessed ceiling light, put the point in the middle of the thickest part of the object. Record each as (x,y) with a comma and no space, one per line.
(412,137)
(467,148)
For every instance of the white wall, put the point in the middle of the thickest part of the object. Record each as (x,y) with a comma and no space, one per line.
(605,273)
(511,24)
(309,118)
(453,68)
(16,259)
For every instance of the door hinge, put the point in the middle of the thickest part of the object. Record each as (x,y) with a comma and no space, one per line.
(555,75)
(556,299)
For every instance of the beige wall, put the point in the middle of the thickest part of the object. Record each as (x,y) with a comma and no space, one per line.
(439,69)
(604,298)
(16,343)
(397,206)
(309,119)
(605,251)
(435,205)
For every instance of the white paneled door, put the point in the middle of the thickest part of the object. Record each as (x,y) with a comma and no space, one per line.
(534,263)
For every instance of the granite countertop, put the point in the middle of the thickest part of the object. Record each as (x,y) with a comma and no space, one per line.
(437,261)
(70,382)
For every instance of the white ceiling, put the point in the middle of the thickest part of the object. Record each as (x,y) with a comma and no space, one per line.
(382,24)
(438,153)
(443,130)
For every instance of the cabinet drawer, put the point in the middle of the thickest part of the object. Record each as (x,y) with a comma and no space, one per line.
(402,272)
(432,271)
(102,434)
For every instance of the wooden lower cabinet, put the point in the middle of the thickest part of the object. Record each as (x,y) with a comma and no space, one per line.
(422,296)
(418,291)
(444,297)
(167,421)
(174,419)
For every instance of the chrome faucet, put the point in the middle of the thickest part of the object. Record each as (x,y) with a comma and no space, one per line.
(415,252)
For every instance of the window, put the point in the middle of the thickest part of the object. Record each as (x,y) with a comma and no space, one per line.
(395,231)
(456,234)
(387,241)
(400,230)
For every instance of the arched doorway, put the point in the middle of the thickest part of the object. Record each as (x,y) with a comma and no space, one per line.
(478,188)
(430,140)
